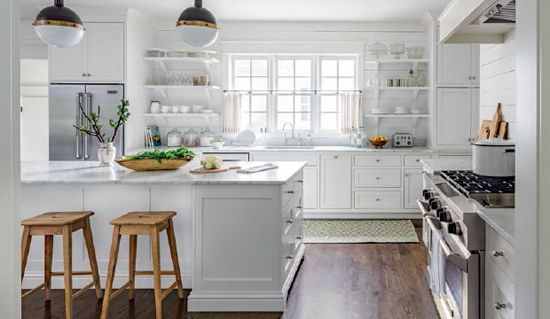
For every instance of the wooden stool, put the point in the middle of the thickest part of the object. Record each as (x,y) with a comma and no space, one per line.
(60,223)
(142,223)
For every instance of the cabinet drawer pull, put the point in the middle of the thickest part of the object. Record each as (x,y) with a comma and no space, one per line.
(378,199)
(498,254)
(88,75)
(290,192)
(289,257)
(418,160)
(406,174)
(299,237)
(299,207)
(83,75)
(378,161)
(335,157)
(300,181)
(499,305)
(378,178)
(290,221)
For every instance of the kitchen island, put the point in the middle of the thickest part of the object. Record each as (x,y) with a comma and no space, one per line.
(239,236)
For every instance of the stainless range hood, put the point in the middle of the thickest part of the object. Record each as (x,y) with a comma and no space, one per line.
(477,21)
(502,11)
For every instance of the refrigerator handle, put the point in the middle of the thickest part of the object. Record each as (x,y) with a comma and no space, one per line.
(79,100)
(88,111)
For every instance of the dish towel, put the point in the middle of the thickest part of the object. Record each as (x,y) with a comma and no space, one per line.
(231,112)
(437,266)
(257,169)
(351,111)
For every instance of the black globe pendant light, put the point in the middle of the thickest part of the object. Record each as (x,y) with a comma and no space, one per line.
(59,26)
(197,26)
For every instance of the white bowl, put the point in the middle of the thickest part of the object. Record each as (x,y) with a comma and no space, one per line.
(217,145)
(197,108)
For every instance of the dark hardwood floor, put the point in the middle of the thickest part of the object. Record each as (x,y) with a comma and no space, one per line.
(346,281)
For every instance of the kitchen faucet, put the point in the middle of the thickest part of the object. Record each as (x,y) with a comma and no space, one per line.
(299,139)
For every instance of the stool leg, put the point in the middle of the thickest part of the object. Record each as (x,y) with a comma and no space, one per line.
(48,256)
(88,238)
(132,268)
(115,244)
(25,246)
(68,269)
(155,245)
(174,252)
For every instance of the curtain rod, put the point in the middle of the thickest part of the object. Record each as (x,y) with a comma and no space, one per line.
(293,91)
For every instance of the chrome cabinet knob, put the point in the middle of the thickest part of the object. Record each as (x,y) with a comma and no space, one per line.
(300,181)
(406,174)
(378,178)
(83,75)
(378,199)
(498,254)
(418,160)
(377,161)
(299,237)
(335,157)
(499,305)
(474,77)
(290,192)
(299,207)
(290,221)
(469,78)
(88,75)
(289,257)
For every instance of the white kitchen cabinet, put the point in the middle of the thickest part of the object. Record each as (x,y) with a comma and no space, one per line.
(311,187)
(458,64)
(457,114)
(336,174)
(99,57)
(413,187)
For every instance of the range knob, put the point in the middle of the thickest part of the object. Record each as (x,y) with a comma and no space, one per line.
(440,210)
(435,203)
(454,228)
(445,216)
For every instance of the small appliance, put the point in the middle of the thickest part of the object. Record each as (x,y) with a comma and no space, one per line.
(402,140)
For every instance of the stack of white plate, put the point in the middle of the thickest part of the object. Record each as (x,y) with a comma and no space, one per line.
(400,110)
(379,111)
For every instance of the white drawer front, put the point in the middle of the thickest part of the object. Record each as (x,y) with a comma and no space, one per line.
(312,159)
(501,252)
(455,157)
(499,293)
(377,199)
(376,177)
(378,160)
(414,160)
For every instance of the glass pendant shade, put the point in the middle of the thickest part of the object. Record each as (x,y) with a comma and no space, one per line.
(197,26)
(59,26)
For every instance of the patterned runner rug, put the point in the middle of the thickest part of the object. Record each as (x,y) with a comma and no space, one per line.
(359,231)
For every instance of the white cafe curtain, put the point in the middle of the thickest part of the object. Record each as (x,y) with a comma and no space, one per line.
(231,112)
(352,113)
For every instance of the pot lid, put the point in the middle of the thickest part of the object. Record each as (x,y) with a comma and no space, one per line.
(496,142)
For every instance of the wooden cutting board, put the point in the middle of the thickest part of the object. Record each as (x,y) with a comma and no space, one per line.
(496,122)
(485,130)
(503,130)
(201,170)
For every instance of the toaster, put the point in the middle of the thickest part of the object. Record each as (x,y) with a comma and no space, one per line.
(402,140)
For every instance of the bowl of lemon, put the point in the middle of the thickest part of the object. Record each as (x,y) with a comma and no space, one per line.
(378,141)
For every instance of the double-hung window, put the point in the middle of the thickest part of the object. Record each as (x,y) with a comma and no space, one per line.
(251,78)
(293,94)
(299,89)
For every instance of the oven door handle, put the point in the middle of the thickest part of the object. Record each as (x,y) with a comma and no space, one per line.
(421,204)
(453,257)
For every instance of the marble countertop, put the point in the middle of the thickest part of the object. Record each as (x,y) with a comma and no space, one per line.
(76,172)
(317,149)
(438,165)
(502,221)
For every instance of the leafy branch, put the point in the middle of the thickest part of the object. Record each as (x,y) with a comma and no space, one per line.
(94,127)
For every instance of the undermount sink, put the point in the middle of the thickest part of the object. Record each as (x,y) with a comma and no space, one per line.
(283,147)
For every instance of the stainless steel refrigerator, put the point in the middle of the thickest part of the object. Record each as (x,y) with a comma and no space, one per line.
(68,144)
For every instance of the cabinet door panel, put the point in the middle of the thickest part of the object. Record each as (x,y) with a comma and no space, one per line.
(336,181)
(474,107)
(453,116)
(413,187)
(69,64)
(311,187)
(105,52)
(454,64)
(476,63)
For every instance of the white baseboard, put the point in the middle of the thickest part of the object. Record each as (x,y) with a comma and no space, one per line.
(361,215)
(252,302)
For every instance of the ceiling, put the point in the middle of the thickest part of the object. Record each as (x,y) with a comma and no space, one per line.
(269,10)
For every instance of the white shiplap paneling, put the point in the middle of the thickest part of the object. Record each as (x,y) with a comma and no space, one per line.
(499,81)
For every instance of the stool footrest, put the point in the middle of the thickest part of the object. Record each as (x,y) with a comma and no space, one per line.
(169,290)
(83,290)
(75,273)
(35,289)
(151,273)
(119,290)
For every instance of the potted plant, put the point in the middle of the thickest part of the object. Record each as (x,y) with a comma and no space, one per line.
(106,152)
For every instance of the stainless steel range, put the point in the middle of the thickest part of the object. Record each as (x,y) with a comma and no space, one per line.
(455,236)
